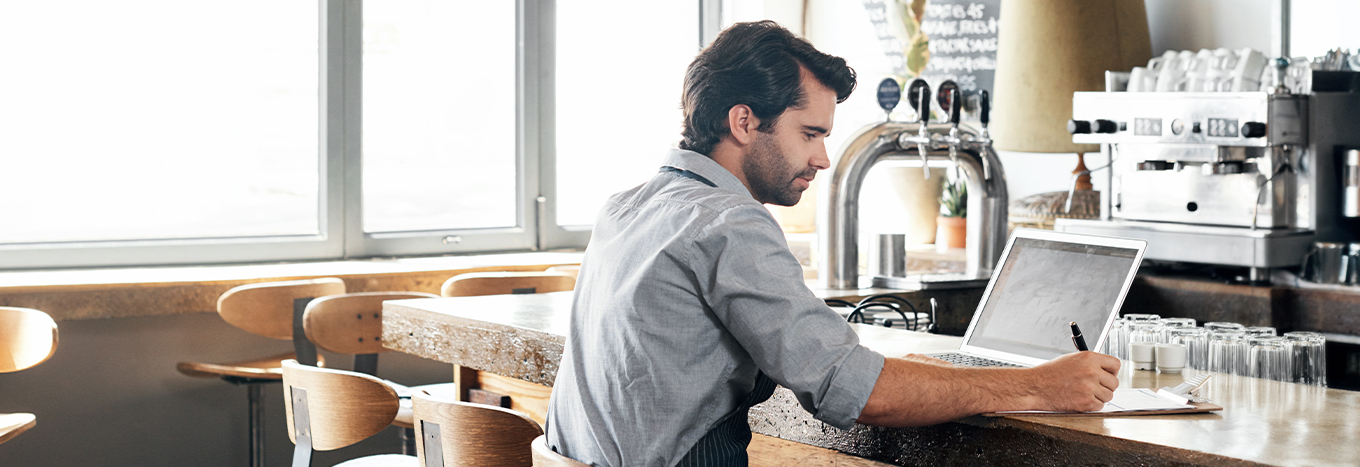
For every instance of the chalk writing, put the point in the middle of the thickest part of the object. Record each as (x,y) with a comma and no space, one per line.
(883,29)
(963,42)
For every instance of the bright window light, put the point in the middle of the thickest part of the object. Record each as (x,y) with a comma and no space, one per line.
(158,119)
(620,68)
(439,106)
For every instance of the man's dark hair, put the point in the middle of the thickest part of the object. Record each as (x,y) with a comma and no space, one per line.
(756,64)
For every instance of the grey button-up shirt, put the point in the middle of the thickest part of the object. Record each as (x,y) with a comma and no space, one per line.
(686,291)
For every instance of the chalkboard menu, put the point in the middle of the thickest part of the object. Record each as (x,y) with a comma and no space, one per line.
(880,15)
(962,42)
(960,35)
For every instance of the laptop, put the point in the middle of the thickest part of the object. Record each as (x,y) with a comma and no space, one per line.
(1044,281)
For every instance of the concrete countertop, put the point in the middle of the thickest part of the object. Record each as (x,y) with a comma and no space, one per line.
(1264,422)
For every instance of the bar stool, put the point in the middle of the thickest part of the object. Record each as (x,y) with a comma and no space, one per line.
(544,456)
(572,270)
(269,309)
(331,409)
(463,433)
(352,324)
(500,283)
(27,337)
(496,283)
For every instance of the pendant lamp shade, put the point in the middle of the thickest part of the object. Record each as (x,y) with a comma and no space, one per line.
(1048,49)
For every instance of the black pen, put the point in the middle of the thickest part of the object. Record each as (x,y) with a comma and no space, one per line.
(1076,338)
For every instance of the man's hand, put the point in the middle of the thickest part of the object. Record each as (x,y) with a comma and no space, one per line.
(1076,382)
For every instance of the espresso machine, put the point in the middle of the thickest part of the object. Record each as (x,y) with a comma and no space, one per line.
(1247,179)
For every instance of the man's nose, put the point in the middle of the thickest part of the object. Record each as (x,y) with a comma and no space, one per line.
(820,160)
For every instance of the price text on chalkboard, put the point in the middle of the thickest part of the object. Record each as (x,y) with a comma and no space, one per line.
(962,42)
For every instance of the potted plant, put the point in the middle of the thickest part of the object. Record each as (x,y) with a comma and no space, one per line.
(953,220)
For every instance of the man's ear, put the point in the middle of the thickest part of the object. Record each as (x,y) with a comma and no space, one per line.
(742,124)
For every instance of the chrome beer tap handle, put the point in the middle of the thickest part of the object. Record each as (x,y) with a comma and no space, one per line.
(918,95)
(985,138)
(985,115)
(954,110)
(922,137)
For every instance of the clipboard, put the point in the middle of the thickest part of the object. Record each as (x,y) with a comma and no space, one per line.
(1198,407)
(1129,402)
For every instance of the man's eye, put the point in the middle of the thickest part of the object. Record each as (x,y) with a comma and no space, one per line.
(810,136)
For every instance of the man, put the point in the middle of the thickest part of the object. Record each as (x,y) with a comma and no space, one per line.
(689,307)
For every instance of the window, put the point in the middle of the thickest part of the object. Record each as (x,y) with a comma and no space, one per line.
(120,127)
(148,132)
(439,116)
(616,117)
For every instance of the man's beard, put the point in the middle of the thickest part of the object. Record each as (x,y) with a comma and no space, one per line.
(770,175)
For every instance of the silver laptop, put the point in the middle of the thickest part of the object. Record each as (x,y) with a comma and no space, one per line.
(1044,281)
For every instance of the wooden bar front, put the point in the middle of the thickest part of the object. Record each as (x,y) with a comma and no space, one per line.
(1264,422)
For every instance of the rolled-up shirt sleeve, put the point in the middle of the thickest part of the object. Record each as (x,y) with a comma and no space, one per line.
(755,287)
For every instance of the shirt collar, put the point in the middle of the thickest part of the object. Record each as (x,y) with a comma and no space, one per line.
(705,167)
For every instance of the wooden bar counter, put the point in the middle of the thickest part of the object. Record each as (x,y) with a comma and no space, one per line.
(1263,422)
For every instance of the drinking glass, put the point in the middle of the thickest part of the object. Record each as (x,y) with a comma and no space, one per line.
(1269,358)
(1144,331)
(1196,342)
(1260,331)
(1227,351)
(1309,357)
(1122,342)
(1219,326)
(1173,323)
(1115,342)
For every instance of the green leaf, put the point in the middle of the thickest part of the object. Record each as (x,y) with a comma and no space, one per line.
(954,199)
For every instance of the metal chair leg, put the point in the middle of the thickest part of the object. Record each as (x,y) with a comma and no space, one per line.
(254,393)
(408,441)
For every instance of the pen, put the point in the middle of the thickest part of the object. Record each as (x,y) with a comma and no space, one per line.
(1076,338)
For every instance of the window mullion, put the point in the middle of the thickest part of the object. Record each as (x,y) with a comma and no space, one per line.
(342,82)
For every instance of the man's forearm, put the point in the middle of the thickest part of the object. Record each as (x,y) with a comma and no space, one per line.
(915,393)
(918,391)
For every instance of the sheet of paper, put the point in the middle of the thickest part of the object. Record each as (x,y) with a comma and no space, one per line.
(1129,400)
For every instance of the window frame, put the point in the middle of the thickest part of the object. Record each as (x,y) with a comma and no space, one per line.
(339,164)
(340,207)
(528,160)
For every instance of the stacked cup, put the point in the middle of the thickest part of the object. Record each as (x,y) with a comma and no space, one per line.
(1168,344)
(1308,362)
(1196,341)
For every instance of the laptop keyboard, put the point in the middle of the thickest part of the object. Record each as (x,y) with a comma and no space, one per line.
(969,360)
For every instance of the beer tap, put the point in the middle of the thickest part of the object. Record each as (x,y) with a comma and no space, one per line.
(950,100)
(919,97)
(986,117)
(985,138)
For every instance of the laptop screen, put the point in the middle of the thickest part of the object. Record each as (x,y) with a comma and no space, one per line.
(1042,287)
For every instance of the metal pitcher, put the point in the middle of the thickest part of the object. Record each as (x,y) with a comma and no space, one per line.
(1328,263)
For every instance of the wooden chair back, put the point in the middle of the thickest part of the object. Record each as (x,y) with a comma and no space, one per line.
(544,456)
(266,308)
(343,407)
(497,283)
(27,337)
(573,270)
(351,323)
(472,434)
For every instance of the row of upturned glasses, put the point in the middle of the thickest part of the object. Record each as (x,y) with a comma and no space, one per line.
(1227,347)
